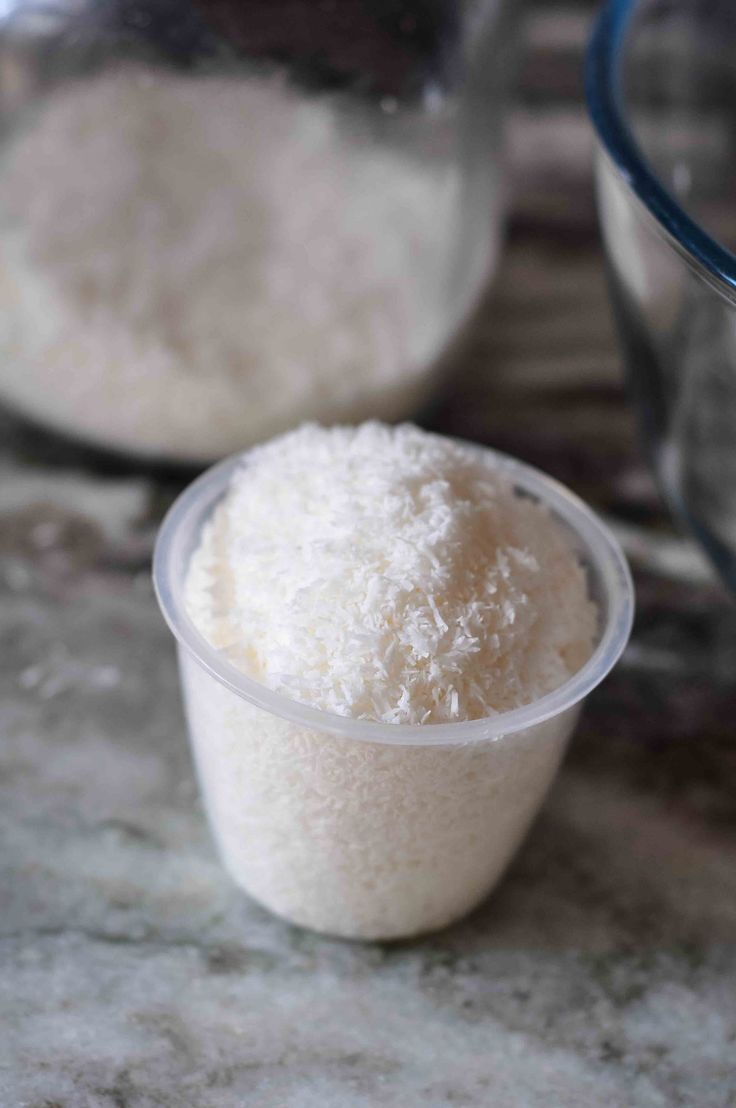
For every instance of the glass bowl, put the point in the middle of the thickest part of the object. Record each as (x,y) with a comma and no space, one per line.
(661,89)
(219,220)
(363,829)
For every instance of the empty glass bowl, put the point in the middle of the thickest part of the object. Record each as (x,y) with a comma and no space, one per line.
(661,85)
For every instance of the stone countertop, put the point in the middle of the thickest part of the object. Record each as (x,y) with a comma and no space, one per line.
(601,972)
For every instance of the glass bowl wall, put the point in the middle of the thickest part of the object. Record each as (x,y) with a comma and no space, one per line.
(661,83)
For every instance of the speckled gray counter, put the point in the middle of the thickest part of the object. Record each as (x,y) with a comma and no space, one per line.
(602,972)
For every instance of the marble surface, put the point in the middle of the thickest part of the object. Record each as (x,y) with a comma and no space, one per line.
(601,973)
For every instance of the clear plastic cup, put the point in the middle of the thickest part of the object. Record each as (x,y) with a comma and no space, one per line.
(370,830)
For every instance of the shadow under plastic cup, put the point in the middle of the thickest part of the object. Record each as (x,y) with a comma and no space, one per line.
(362,829)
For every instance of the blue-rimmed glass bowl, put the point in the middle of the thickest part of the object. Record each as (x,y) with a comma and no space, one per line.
(661,87)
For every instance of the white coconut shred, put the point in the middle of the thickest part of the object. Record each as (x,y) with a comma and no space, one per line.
(392,575)
(190,266)
(382,574)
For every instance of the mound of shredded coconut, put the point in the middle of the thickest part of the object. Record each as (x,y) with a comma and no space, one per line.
(390,574)
(190,266)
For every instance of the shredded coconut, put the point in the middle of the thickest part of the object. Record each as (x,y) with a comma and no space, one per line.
(361,839)
(190,266)
(388,574)
(393,575)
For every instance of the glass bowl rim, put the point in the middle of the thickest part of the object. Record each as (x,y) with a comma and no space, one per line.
(605,105)
(601,549)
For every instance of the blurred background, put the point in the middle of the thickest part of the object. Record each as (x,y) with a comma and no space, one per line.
(217,222)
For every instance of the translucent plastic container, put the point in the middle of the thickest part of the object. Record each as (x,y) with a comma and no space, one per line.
(362,829)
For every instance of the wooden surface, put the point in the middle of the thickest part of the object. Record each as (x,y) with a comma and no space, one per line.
(603,972)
